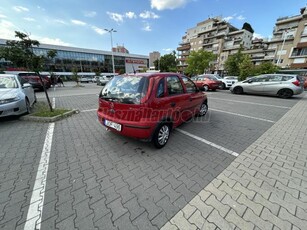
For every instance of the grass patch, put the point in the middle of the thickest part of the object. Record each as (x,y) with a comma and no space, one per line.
(42,110)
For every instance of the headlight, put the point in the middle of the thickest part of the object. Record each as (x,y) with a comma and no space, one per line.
(9,100)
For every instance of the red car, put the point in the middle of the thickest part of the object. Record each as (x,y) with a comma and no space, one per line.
(35,81)
(148,106)
(207,81)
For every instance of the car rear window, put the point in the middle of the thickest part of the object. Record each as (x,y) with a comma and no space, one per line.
(125,89)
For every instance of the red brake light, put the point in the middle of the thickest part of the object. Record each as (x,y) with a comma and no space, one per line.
(297,83)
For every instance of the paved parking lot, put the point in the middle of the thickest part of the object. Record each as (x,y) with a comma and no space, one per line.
(73,174)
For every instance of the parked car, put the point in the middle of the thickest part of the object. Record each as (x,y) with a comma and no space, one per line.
(16,95)
(34,80)
(207,82)
(148,106)
(85,79)
(227,81)
(305,82)
(103,80)
(282,85)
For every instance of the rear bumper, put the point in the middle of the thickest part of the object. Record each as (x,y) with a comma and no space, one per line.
(141,130)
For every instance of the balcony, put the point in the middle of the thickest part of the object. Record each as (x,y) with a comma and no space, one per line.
(184,47)
(301,45)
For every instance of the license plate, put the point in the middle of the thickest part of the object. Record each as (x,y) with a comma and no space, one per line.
(113,125)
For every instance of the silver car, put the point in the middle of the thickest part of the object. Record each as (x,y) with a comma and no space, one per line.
(282,85)
(16,95)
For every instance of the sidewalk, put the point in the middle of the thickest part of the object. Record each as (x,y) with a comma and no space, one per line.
(265,187)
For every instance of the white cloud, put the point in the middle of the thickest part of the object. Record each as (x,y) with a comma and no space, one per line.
(60,21)
(2,16)
(116,17)
(168,4)
(90,14)
(53,41)
(146,27)
(169,50)
(29,19)
(40,8)
(79,23)
(255,35)
(20,9)
(240,17)
(227,19)
(148,14)
(98,30)
(130,15)
(7,29)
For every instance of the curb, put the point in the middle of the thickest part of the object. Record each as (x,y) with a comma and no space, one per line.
(48,119)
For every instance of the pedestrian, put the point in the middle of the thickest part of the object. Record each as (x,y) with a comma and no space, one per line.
(60,81)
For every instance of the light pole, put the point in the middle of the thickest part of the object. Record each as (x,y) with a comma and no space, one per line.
(111,31)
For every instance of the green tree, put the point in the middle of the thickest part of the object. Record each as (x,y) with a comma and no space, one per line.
(265,68)
(199,61)
(167,63)
(232,63)
(246,68)
(20,53)
(248,27)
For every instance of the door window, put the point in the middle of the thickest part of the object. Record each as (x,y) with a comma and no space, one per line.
(190,86)
(174,86)
(160,90)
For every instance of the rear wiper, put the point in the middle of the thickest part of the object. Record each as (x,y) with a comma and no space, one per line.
(110,98)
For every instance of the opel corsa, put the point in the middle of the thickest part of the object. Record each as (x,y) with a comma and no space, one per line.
(148,106)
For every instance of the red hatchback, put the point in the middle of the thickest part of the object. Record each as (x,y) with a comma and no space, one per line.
(207,81)
(148,106)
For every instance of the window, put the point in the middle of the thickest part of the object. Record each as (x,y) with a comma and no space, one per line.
(160,90)
(190,86)
(174,85)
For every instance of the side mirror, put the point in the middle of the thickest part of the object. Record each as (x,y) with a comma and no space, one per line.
(26,85)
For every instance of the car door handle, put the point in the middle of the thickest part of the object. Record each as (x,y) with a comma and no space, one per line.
(173,104)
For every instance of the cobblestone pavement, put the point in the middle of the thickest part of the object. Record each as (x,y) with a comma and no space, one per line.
(264,188)
(98,180)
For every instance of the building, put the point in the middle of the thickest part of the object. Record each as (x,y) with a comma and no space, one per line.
(120,49)
(153,56)
(89,60)
(214,35)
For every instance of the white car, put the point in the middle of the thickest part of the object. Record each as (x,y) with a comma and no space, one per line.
(228,81)
(16,95)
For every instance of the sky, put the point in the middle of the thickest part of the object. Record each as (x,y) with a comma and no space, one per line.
(142,26)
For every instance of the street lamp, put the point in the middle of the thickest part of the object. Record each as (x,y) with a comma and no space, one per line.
(111,31)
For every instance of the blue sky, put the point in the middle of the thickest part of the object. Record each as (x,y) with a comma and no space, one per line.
(142,26)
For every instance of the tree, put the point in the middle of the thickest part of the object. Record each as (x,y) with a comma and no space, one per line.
(265,68)
(248,27)
(232,63)
(167,63)
(199,61)
(20,53)
(246,68)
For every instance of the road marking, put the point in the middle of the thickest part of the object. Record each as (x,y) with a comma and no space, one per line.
(252,103)
(241,115)
(53,103)
(35,210)
(88,110)
(208,142)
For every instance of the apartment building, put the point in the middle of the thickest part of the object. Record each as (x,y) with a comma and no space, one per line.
(153,56)
(215,35)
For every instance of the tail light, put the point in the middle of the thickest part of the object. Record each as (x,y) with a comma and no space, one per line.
(297,83)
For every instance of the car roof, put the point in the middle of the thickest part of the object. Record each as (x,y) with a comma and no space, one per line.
(152,74)
(7,75)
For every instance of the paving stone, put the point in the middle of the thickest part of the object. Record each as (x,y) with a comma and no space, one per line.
(218,221)
(182,223)
(233,218)
(142,222)
(220,207)
(285,215)
(274,219)
(256,220)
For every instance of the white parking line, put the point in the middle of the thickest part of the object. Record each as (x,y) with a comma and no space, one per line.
(88,110)
(208,142)
(241,115)
(252,103)
(35,210)
(53,103)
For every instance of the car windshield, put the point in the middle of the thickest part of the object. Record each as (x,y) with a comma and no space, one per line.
(125,89)
(8,83)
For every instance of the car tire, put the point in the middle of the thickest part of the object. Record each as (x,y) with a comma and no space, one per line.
(205,87)
(285,93)
(238,90)
(35,98)
(28,106)
(203,109)
(161,135)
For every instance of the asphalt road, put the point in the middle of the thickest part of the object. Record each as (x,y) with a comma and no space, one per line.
(76,175)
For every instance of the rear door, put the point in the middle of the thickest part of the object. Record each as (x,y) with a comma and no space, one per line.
(272,84)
